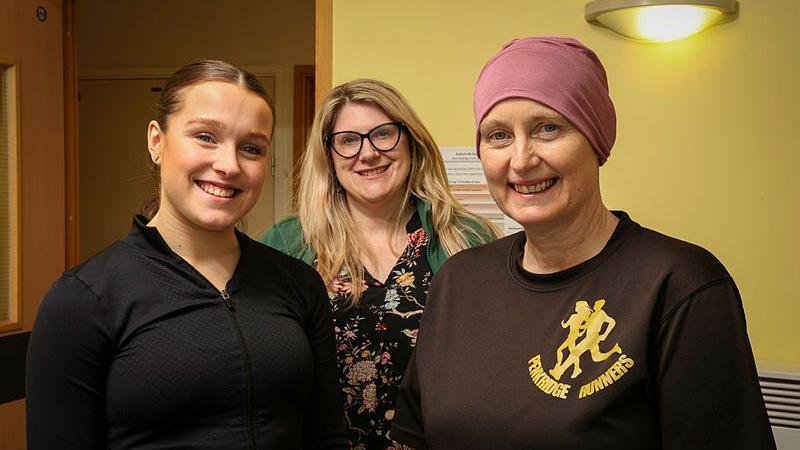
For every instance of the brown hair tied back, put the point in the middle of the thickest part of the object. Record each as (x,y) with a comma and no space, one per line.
(170,102)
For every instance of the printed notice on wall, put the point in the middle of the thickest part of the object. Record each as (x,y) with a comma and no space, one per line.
(469,186)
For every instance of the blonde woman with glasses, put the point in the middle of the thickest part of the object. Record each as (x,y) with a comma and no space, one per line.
(377,220)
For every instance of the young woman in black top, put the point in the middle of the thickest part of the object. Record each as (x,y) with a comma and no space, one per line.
(187,333)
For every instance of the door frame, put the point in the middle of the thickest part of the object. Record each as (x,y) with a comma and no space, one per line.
(304,105)
(323,48)
(71,148)
(282,141)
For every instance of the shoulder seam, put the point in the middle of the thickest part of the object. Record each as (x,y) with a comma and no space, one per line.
(89,288)
(107,325)
(686,299)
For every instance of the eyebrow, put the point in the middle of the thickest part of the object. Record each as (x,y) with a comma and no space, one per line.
(208,121)
(368,131)
(218,124)
(535,118)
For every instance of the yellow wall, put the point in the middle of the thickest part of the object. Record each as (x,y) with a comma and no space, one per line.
(706,147)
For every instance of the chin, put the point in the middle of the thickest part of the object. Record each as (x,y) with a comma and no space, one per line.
(374,197)
(217,226)
(532,216)
(215,222)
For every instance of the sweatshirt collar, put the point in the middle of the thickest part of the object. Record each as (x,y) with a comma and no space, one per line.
(150,241)
(554,281)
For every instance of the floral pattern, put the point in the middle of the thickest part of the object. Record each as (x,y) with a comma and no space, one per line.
(374,341)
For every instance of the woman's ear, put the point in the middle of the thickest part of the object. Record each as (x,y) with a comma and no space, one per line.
(155,141)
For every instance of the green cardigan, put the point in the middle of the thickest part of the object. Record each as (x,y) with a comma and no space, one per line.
(287,236)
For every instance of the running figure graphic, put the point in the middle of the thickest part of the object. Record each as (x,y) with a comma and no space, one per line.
(576,324)
(586,323)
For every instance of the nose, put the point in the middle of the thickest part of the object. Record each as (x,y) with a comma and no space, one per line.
(524,156)
(226,161)
(368,152)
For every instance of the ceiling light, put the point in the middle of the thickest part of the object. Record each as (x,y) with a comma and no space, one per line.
(660,20)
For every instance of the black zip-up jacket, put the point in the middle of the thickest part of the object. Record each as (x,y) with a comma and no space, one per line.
(135,349)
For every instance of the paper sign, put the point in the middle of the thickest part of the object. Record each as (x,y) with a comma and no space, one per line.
(468,185)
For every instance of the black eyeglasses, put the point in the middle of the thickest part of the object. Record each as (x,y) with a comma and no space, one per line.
(383,138)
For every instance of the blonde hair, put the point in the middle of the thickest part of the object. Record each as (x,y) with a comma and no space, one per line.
(322,203)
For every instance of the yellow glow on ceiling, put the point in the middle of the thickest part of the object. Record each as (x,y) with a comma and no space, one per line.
(660,23)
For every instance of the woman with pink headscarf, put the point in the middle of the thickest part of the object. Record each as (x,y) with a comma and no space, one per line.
(586,330)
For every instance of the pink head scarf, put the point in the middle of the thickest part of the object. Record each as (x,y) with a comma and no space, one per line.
(558,72)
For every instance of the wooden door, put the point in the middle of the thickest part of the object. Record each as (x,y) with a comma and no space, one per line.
(114,171)
(31,48)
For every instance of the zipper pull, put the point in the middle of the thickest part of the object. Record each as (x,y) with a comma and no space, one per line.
(226,297)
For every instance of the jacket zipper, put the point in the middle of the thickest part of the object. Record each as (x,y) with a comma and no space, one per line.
(226,298)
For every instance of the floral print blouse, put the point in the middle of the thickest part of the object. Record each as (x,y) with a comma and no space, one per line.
(374,341)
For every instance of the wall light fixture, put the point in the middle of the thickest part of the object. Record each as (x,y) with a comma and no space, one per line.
(660,20)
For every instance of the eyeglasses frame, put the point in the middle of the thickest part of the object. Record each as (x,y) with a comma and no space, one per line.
(328,141)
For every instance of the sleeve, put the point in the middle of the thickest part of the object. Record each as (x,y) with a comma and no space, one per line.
(274,238)
(324,419)
(478,234)
(707,384)
(66,369)
(407,426)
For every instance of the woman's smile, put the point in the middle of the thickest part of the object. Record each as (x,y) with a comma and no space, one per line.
(217,190)
(374,172)
(528,188)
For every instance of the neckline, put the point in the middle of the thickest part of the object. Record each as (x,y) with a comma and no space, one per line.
(149,240)
(413,224)
(554,281)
